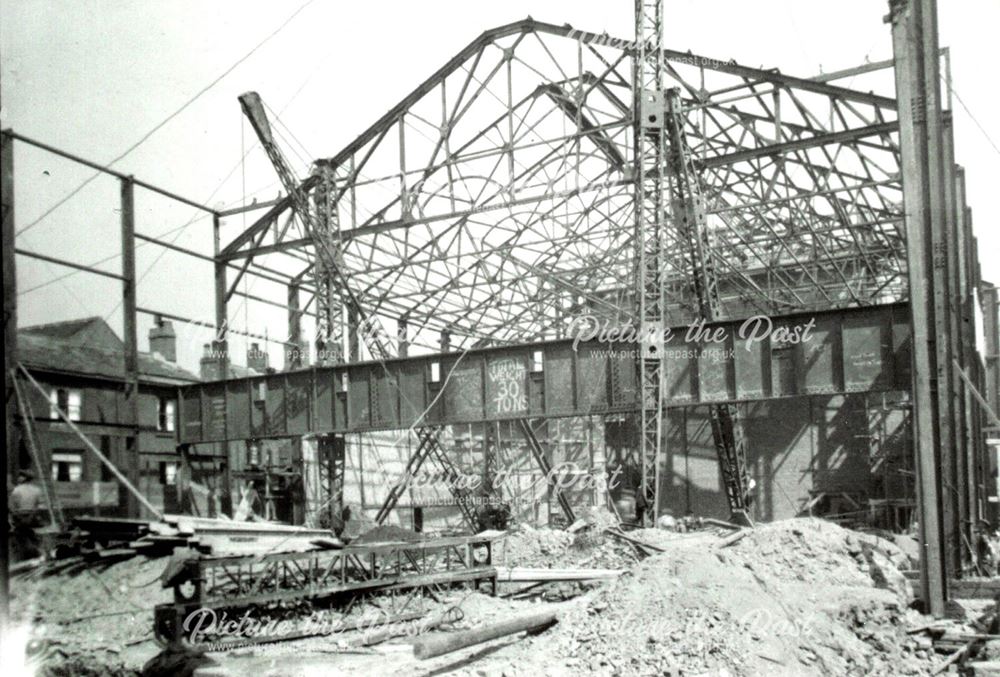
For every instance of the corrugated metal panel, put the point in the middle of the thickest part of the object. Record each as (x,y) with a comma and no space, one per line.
(821,358)
(752,366)
(680,369)
(323,390)
(592,378)
(713,372)
(463,394)
(275,412)
(238,410)
(213,411)
(298,400)
(359,399)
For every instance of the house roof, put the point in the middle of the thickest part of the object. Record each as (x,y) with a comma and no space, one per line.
(89,346)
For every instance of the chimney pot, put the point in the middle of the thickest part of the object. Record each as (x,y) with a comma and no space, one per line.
(163,339)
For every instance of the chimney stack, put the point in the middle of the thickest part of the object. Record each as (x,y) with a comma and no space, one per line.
(163,340)
(212,361)
(257,358)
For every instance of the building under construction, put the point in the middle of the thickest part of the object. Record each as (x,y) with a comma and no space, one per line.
(570,277)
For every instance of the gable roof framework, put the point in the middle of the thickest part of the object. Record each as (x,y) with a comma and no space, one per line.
(496,199)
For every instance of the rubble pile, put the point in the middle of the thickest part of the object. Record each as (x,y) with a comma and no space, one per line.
(91,619)
(799,597)
(554,548)
(796,598)
(589,546)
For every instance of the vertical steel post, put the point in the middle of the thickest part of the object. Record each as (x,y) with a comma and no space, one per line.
(402,340)
(953,391)
(353,337)
(989,302)
(648,112)
(220,343)
(9,346)
(131,340)
(293,347)
(911,83)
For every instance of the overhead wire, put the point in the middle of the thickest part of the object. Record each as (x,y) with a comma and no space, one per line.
(975,120)
(218,187)
(166,120)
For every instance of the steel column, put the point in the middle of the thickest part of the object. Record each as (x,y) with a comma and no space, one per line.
(294,357)
(914,109)
(9,343)
(131,341)
(220,342)
(648,110)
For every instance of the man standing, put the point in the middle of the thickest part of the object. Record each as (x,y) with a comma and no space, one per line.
(641,504)
(27,513)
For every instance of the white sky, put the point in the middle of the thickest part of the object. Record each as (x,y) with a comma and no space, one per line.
(93,76)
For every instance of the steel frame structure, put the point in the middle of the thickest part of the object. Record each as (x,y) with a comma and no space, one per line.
(396,575)
(496,201)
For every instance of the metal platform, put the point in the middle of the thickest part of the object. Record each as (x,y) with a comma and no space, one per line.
(340,585)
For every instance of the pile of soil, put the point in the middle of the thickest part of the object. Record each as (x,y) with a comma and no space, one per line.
(90,619)
(388,533)
(589,548)
(798,597)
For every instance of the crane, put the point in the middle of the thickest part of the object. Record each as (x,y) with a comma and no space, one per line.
(666,183)
(332,287)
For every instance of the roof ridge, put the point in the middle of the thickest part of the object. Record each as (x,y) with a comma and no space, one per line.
(62,323)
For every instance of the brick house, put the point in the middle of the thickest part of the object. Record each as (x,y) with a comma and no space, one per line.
(80,364)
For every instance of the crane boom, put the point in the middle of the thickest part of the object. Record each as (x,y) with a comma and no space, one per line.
(332,280)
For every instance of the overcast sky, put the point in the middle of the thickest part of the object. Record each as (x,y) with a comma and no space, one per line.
(93,76)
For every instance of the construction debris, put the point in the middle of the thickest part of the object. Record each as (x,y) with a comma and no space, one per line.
(799,597)
(438,644)
(571,236)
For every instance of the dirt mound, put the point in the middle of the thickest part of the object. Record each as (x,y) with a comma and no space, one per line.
(556,549)
(799,597)
(91,619)
(388,533)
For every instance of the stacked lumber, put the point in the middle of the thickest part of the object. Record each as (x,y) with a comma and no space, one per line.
(111,538)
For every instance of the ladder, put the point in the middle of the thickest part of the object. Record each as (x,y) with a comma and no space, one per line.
(329,269)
